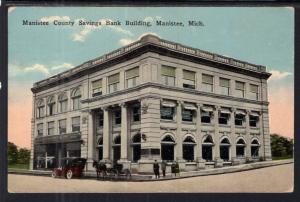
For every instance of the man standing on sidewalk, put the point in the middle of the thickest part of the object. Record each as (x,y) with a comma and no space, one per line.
(156,169)
(163,167)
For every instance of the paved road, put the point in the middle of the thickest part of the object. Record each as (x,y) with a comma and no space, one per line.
(271,179)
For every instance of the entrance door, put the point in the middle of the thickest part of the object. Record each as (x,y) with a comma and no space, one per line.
(117,153)
(224,153)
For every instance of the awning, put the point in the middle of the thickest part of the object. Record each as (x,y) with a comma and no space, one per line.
(207,109)
(254,114)
(189,106)
(168,104)
(225,111)
(240,112)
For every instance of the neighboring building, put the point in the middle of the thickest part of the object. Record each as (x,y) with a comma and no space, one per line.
(153,99)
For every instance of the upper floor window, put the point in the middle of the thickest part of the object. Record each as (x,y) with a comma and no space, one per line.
(40,129)
(167,110)
(76,124)
(117,117)
(224,116)
(63,102)
(136,113)
(239,118)
(168,75)
(132,77)
(62,125)
(207,83)
(51,105)
(97,88)
(240,89)
(188,79)
(253,119)
(76,95)
(40,108)
(187,115)
(51,128)
(113,83)
(206,113)
(100,119)
(224,86)
(253,92)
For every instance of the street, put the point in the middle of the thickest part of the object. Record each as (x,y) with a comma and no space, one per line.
(271,179)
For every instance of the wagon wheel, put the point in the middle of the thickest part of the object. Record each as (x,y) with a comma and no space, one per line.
(53,174)
(69,174)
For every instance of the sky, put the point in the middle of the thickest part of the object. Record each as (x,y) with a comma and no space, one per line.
(263,36)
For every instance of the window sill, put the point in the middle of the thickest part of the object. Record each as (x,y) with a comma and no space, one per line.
(240,127)
(224,125)
(254,128)
(207,124)
(188,122)
(167,121)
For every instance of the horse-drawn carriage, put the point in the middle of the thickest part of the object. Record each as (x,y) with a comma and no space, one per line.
(116,171)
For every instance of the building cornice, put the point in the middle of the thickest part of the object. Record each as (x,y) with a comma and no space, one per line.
(151,43)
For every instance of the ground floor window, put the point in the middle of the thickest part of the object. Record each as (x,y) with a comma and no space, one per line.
(240,148)
(254,148)
(188,149)
(207,146)
(136,147)
(117,149)
(100,149)
(167,148)
(224,149)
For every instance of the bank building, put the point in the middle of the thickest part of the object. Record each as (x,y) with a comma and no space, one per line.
(153,100)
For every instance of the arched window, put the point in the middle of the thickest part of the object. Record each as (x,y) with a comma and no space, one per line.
(63,102)
(40,108)
(51,104)
(188,148)
(167,148)
(76,95)
(117,148)
(240,147)
(254,148)
(224,149)
(207,145)
(100,148)
(136,147)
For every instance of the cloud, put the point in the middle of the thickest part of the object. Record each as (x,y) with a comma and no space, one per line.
(52,18)
(11,9)
(37,68)
(82,34)
(277,75)
(62,66)
(126,41)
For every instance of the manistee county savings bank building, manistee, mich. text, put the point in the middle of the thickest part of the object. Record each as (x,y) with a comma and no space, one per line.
(153,99)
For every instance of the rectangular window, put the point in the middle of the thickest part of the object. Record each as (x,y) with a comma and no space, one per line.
(132,77)
(187,115)
(239,119)
(136,113)
(253,120)
(97,88)
(113,83)
(40,112)
(117,117)
(224,86)
(223,118)
(205,117)
(76,103)
(51,128)
(76,124)
(40,129)
(100,119)
(62,124)
(240,89)
(63,106)
(168,75)
(253,92)
(207,83)
(188,79)
(167,113)
(51,108)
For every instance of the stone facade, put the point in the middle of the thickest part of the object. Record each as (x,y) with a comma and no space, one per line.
(153,100)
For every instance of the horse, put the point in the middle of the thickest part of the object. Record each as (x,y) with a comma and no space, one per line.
(101,169)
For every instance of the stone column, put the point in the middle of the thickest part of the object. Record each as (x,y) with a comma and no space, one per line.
(199,160)
(124,137)
(234,160)
(261,138)
(266,135)
(179,157)
(106,135)
(90,141)
(247,138)
(216,153)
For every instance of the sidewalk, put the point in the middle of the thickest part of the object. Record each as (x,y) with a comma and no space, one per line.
(140,177)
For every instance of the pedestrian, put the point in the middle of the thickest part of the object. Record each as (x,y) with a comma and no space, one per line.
(156,169)
(163,167)
(177,170)
(173,166)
